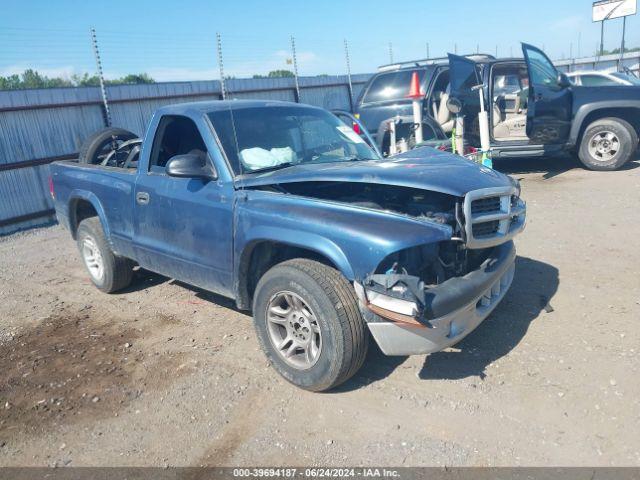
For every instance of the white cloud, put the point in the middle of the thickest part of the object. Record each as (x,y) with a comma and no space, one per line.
(62,71)
(168,74)
(308,64)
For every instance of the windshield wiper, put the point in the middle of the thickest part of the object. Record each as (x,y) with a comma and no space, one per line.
(355,158)
(273,167)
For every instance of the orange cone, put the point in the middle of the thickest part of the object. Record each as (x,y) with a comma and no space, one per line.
(414,89)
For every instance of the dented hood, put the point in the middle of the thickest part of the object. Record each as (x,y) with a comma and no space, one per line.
(423,168)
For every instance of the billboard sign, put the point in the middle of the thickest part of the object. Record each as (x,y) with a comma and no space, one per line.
(609,9)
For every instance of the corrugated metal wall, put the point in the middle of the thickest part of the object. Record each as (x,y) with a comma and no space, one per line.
(609,63)
(38,125)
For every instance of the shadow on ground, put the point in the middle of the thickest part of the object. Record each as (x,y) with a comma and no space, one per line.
(531,295)
(534,286)
(549,166)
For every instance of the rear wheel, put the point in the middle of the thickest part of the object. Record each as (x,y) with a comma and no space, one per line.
(307,319)
(108,272)
(607,144)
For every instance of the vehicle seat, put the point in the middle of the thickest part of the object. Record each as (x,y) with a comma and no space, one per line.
(512,128)
(442,114)
(509,121)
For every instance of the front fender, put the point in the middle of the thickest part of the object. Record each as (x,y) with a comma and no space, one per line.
(584,110)
(307,240)
(355,239)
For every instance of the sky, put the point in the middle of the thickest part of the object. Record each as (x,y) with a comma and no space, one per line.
(176,40)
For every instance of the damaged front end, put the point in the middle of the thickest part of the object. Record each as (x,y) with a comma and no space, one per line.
(424,299)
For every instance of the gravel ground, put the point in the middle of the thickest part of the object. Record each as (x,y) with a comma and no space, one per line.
(165,374)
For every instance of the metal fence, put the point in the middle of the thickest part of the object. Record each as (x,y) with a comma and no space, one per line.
(41,126)
(609,63)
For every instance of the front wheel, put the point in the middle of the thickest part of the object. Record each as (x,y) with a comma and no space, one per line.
(310,328)
(607,144)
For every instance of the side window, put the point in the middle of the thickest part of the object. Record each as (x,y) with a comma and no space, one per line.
(176,135)
(542,71)
(596,80)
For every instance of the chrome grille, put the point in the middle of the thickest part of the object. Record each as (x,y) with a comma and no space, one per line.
(485,205)
(492,216)
(485,228)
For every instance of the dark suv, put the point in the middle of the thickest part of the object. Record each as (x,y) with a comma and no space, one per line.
(533,109)
(385,96)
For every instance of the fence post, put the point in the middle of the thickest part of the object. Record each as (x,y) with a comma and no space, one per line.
(346,54)
(223,87)
(103,90)
(295,69)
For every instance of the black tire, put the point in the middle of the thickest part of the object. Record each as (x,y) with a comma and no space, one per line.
(329,295)
(117,271)
(99,141)
(628,143)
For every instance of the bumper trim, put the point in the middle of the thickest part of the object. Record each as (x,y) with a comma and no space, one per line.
(403,339)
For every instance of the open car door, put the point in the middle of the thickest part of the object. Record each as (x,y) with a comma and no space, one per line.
(464,75)
(549,101)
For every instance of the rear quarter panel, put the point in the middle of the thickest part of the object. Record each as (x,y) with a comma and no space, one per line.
(110,192)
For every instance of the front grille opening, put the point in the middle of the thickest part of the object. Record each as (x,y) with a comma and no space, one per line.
(485,205)
(485,229)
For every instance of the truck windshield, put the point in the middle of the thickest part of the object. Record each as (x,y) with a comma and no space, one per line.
(270,137)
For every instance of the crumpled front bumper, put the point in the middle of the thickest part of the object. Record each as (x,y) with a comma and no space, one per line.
(455,308)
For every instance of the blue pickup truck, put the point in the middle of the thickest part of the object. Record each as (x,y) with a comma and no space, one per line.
(285,209)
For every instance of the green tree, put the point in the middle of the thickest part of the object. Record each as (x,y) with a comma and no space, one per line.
(33,79)
(280,74)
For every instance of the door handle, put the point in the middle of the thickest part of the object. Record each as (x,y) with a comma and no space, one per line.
(142,198)
(539,96)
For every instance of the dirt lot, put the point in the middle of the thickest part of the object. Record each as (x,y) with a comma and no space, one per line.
(164,374)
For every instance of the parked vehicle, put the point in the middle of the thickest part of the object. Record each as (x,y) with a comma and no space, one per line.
(385,97)
(594,78)
(534,110)
(285,209)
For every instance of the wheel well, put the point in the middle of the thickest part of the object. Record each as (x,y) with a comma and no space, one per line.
(259,258)
(630,115)
(80,210)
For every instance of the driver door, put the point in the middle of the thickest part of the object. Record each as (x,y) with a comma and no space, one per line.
(550,104)
(464,75)
(183,226)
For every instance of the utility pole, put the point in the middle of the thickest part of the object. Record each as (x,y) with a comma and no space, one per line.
(455,48)
(103,90)
(428,56)
(624,26)
(390,52)
(346,56)
(496,51)
(477,48)
(579,43)
(295,68)
(223,87)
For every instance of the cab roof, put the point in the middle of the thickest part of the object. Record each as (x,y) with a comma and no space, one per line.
(217,105)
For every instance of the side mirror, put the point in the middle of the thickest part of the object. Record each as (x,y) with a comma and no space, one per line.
(454,105)
(563,80)
(190,165)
